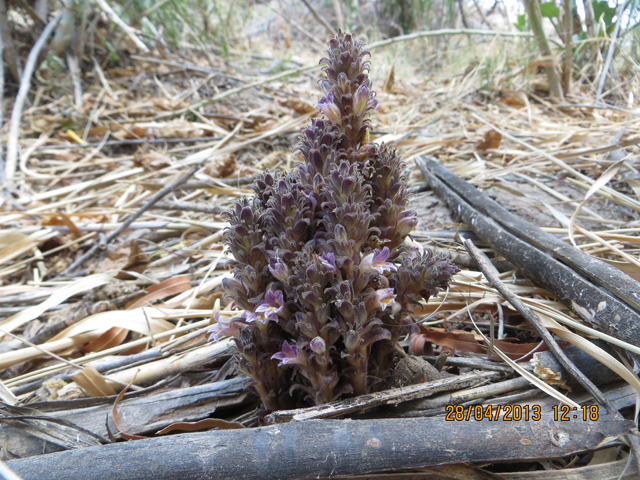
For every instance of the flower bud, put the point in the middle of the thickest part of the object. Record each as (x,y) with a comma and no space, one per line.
(318,346)
(361,99)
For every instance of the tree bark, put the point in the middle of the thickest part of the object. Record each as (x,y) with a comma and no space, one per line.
(323,448)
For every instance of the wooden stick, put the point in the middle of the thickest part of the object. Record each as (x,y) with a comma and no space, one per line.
(163,192)
(387,397)
(115,18)
(535,321)
(323,448)
(610,51)
(2,163)
(25,85)
(446,31)
(320,19)
(557,268)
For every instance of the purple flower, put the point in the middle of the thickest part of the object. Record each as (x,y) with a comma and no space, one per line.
(330,109)
(290,354)
(343,82)
(361,99)
(279,270)
(269,308)
(406,222)
(318,346)
(386,297)
(328,261)
(312,198)
(223,327)
(377,262)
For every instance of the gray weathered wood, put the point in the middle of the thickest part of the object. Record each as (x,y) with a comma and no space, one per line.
(596,305)
(392,396)
(138,415)
(322,448)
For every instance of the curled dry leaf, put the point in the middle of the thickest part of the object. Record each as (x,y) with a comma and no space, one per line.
(221,166)
(152,160)
(109,339)
(466,342)
(116,417)
(298,105)
(491,141)
(166,288)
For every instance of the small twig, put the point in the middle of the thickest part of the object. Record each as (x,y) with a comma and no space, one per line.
(240,89)
(320,19)
(134,141)
(115,18)
(449,31)
(601,106)
(25,85)
(202,184)
(2,165)
(534,320)
(191,206)
(150,10)
(74,71)
(568,50)
(172,186)
(102,245)
(610,51)
(44,351)
(303,31)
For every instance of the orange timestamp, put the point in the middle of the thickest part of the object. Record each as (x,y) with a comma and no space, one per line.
(516,413)
(510,413)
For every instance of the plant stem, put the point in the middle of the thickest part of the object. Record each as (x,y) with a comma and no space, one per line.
(568,27)
(535,20)
(611,51)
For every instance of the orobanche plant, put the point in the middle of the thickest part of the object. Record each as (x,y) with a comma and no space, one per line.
(321,269)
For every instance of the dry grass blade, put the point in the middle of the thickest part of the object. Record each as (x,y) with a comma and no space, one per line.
(79,286)
(601,182)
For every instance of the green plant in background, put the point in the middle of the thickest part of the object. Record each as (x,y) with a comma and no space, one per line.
(549,10)
(603,11)
(522,23)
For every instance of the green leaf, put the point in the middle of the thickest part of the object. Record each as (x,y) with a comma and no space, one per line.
(603,8)
(521,23)
(549,10)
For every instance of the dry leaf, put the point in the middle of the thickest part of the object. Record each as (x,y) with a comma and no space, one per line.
(170,286)
(83,285)
(93,382)
(205,424)
(221,166)
(66,220)
(272,159)
(491,141)
(109,339)
(116,417)
(179,129)
(390,80)
(467,342)
(298,105)
(152,160)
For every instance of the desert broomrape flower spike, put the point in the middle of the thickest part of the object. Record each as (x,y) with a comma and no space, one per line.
(321,268)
